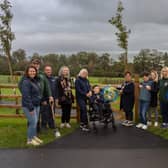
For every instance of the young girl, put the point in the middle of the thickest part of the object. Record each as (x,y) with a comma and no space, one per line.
(144,100)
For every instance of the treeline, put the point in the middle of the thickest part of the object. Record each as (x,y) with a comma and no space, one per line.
(98,65)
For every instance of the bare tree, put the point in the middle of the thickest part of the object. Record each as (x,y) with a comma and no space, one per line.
(122,33)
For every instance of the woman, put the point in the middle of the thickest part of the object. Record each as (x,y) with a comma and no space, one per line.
(127,99)
(163,96)
(154,99)
(31,97)
(65,97)
(83,91)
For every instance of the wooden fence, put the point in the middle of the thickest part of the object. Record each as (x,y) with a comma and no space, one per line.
(17,105)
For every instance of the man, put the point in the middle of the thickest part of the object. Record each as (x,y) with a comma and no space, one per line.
(47,110)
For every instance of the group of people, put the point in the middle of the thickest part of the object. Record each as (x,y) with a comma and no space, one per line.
(152,89)
(42,92)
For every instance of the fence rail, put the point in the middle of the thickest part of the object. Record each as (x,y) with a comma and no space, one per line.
(16,104)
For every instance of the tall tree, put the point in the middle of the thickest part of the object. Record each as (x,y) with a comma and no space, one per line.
(122,33)
(6,35)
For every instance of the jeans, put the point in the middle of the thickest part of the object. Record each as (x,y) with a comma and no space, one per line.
(164,111)
(143,108)
(32,120)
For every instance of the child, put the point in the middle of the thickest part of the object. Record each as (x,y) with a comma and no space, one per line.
(144,100)
(101,106)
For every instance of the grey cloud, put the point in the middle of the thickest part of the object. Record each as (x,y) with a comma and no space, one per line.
(72,25)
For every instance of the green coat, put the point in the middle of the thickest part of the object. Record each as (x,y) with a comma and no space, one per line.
(163,89)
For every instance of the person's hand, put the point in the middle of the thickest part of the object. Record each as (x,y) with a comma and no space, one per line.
(148,87)
(44,103)
(31,113)
(140,86)
(51,99)
(89,94)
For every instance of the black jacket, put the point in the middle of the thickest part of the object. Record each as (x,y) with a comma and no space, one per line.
(154,94)
(65,95)
(127,96)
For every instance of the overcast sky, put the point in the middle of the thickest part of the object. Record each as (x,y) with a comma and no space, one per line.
(52,26)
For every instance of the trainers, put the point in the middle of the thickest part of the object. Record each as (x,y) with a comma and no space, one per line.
(85,128)
(57,134)
(144,127)
(62,125)
(33,142)
(68,125)
(164,125)
(129,123)
(124,123)
(38,140)
(156,124)
(149,123)
(140,125)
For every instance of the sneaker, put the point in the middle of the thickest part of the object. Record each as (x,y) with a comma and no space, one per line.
(38,140)
(129,123)
(57,134)
(144,127)
(156,124)
(68,125)
(149,123)
(140,125)
(33,142)
(85,128)
(124,123)
(62,125)
(164,125)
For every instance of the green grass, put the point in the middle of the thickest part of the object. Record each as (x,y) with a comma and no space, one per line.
(14,133)
(159,131)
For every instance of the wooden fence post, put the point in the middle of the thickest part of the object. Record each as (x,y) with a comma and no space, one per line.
(136,93)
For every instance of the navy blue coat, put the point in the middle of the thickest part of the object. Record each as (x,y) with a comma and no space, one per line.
(82,87)
(127,97)
(31,93)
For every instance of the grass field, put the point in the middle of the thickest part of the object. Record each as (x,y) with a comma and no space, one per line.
(13,133)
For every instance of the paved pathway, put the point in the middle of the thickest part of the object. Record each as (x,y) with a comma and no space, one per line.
(126,148)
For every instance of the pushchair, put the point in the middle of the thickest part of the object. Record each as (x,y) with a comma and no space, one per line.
(102,113)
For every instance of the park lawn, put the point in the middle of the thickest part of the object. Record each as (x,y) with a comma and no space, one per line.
(159,131)
(13,133)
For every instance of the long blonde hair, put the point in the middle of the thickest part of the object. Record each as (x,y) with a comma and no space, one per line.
(156,75)
(61,70)
(163,69)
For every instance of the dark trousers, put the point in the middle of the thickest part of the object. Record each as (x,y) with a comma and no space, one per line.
(83,111)
(128,114)
(66,113)
(164,111)
(47,116)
